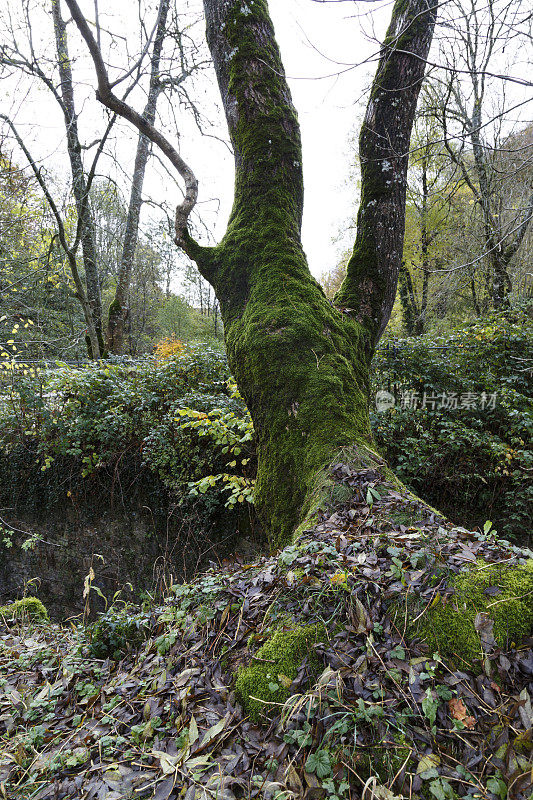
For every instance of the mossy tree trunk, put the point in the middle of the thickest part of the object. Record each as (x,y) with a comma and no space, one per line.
(301,362)
(369,289)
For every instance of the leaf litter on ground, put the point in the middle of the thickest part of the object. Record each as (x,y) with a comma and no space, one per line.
(384,717)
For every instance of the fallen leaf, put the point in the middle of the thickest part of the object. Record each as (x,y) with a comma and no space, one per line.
(459,711)
(484,626)
(193,731)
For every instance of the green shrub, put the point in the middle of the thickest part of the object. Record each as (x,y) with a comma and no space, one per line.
(69,430)
(180,429)
(472,463)
(116,631)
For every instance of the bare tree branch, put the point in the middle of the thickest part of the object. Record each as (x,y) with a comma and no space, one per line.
(106,96)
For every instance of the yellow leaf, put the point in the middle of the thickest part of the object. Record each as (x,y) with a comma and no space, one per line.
(193,730)
(430,761)
(285,681)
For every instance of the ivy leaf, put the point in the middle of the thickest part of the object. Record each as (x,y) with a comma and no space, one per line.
(443,692)
(319,763)
(429,707)
(397,652)
(441,789)
(497,787)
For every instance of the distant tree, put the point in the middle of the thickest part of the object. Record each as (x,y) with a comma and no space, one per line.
(35,297)
(175,318)
(90,294)
(491,163)
(22,52)
(18,53)
(145,298)
(110,211)
(164,76)
(432,216)
(178,318)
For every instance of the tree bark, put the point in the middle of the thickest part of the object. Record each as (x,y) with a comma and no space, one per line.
(369,289)
(118,310)
(95,340)
(302,364)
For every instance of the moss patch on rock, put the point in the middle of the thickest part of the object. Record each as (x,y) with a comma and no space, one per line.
(265,683)
(502,591)
(28,607)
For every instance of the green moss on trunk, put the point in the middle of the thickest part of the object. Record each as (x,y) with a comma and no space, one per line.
(302,370)
(301,365)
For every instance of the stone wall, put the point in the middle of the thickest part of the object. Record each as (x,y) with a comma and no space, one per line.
(122,547)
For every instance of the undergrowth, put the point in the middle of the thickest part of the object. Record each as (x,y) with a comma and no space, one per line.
(460,430)
(180,422)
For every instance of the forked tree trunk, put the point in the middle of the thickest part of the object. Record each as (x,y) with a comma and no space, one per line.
(301,363)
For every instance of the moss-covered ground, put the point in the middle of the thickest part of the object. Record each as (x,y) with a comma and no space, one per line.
(501,592)
(29,608)
(263,687)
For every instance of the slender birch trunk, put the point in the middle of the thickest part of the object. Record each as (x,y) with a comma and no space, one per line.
(118,310)
(92,294)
